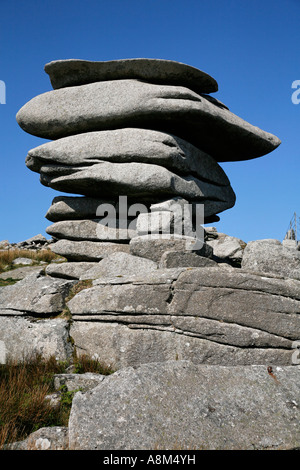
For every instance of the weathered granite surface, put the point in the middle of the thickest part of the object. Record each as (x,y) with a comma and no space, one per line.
(180,405)
(72,72)
(131,103)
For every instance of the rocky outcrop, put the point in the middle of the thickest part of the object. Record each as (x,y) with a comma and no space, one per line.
(180,405)
(25,336)
(188,315)
(143,129)
(270,256)
(206,315)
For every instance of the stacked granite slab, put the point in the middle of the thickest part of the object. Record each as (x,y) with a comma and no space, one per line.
(144,129)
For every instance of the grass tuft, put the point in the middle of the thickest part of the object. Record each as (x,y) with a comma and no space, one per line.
(24,386)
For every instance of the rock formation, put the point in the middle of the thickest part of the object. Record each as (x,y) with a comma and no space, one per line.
(142,128)
(136,144)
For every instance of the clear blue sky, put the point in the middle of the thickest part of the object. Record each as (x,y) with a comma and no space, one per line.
(250,48)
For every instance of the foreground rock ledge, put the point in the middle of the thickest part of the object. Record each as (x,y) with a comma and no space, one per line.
(180,405)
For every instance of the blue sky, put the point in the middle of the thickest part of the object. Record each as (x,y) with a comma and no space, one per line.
(250,48)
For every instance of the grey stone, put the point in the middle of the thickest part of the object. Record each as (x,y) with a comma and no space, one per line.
(52,438)
(142,181)
(259,302)
(35,295)
(64,73)
(20,273)
(119,264)
(92,230)
(40,239)
(87,250)
(211,233)
(206,315)
(73,208)
(291,244)
(23,337)
(74,382)
(155,277)
(269,256)
(24,261)
(153,246)
(133,339)
(156,222)
(127,298)
(173,259)
(4,244)
(180,405)
(69,270)
(130,103)
(125,146)
(226,247)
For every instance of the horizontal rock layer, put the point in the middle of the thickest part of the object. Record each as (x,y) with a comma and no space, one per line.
(87,250)
(64,73)
(206,315)
(125,146)
(130,103)
(142,181)
(92,230)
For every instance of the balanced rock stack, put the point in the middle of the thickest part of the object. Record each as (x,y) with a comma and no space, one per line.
(147,130)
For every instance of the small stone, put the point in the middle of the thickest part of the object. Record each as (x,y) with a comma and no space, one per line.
(153,246)
(173,259)
(24,261)
(270,256)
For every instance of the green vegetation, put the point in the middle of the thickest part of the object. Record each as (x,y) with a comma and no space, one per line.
(8,282)
(24,386)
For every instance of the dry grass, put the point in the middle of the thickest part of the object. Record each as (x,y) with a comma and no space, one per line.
(24,386)
(8,256)
(84,363)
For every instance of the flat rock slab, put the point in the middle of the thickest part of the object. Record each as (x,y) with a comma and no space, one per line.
(180,405)
(269,256)
(69,270)
(87,250)
(125,146)
(206,315)
(153,246)
(75,208)
(92,230)
(174,259)
(141,181)
(130,103)
(118,265)
(64,73)
(74,382)
(20,273)
(35,295)
(21,337)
